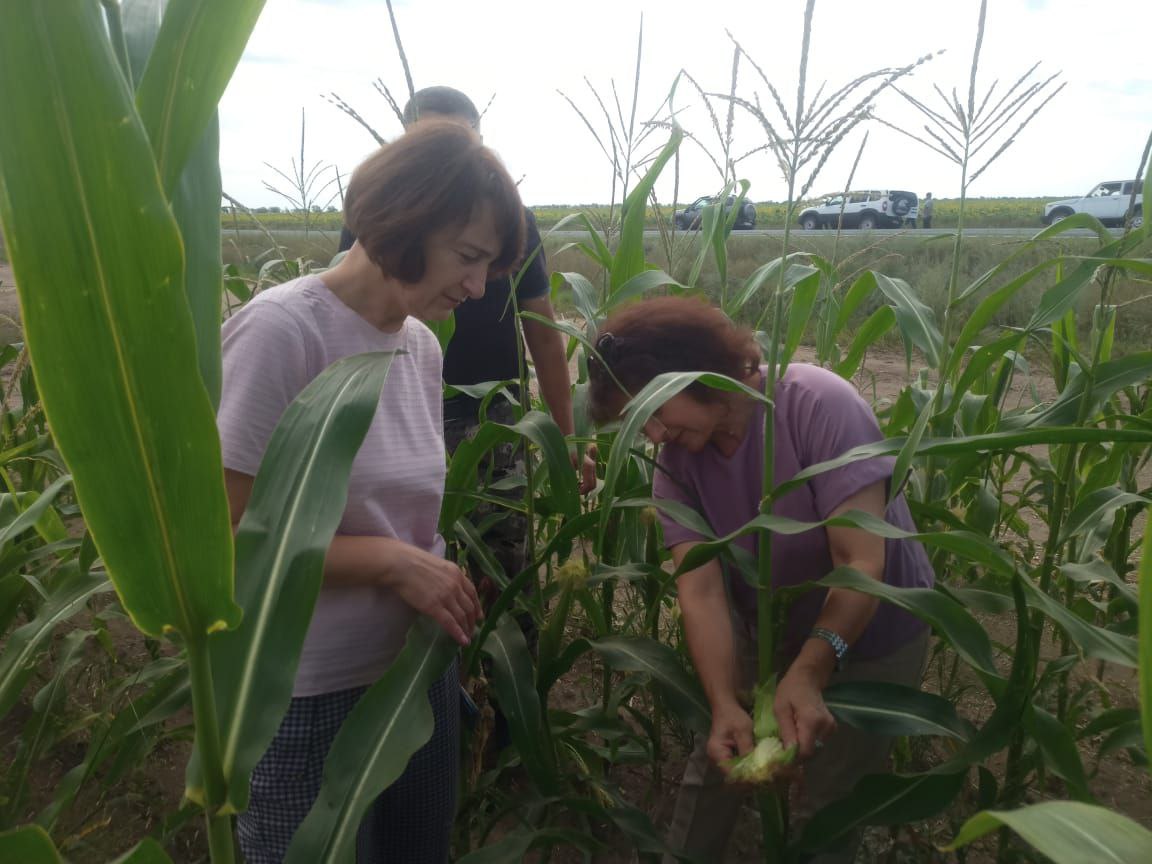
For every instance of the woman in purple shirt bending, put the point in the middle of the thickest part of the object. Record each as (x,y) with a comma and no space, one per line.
(712,460)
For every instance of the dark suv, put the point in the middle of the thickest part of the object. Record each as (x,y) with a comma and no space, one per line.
(689,218)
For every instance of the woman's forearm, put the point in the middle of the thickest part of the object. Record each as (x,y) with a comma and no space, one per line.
(362,560)
(708,628)
(846,613)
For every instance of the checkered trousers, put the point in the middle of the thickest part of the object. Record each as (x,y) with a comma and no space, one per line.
(411,821)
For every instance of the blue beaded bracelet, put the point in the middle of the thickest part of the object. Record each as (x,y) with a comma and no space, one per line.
(839,646)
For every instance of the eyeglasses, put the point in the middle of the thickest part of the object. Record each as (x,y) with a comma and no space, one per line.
(661,429)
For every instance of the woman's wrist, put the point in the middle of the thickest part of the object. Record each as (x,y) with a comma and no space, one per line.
(816,661)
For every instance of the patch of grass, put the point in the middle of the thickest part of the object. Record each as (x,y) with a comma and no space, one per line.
(979,213)
(922,262)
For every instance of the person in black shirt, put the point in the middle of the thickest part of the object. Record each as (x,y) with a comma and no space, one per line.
(485,347)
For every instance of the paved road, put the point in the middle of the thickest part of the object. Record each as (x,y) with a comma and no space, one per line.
(330,237)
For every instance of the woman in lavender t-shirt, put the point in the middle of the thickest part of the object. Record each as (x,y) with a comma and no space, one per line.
(712,461)
(435,213)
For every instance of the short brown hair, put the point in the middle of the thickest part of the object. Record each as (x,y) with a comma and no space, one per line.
(434,176)
(665,334)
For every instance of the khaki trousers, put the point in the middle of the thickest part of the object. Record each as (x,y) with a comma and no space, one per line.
(707,807)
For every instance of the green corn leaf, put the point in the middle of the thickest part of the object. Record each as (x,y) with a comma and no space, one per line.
(392,720)
(951,620)
(195,203)
(28,845)
(754,285)
(881,799)
(296,504)
(1068,832)
(1106,379)
(1145,633)
(917,320)
(870,332)
(684,515)
(862,289)
(629,259)
(117,376)
(1096,572)
(583,295)
(580,337)
(1076,220)
(983,359)
(682,693)
(541,430)
(479,552)
(799,314)
(598,251)
(461,484)
(982,315)
(908,451)
(36,512)
(196,52)
(1097,510)
(21,646)
(972,546)
(642,283)
(515,687)
(147,851)
(167,693)
(513,846)
(1095,642)
(41,730)
(883,708)
(1063,297)
(992,442)
(1058,747)
(1013,697)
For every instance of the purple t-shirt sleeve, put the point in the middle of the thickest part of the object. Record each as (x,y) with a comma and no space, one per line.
(264,369)
(665,488)
(829,418)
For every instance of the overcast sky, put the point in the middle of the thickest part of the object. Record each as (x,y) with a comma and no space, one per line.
(523,51)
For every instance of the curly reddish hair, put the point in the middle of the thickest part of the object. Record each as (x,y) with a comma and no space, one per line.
(665,334)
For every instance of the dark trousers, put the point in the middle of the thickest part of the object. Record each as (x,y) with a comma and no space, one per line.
(411,821)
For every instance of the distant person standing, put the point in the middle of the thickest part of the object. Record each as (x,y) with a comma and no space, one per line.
(926,210)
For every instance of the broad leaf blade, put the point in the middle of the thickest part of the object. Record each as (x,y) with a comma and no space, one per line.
(20,646)
(199,44)
(1068,832)
(542,431)
(629,259)
(881,799)
(388,725)
(916,319)
(29,845)
(297,501)
(515,687)
(883,708)
(147,851)
(1145,637)
(682,693)
(117,374)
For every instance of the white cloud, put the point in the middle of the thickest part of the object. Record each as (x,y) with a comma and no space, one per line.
(523,52)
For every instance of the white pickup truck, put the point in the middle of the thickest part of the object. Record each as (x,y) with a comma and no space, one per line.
(1108,202)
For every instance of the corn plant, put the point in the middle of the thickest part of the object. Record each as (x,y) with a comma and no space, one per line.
(116,285)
